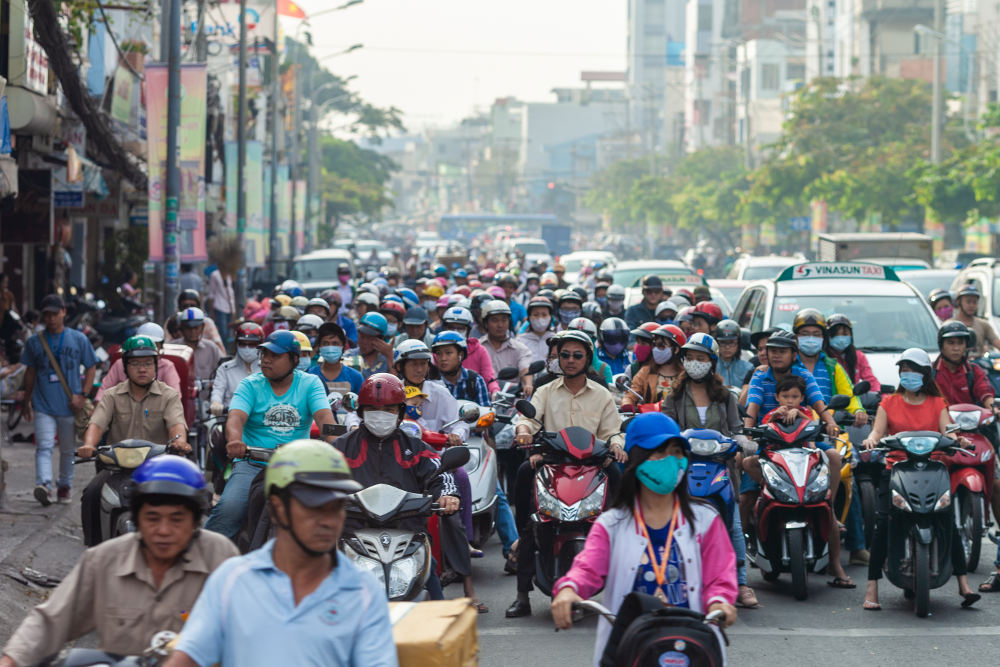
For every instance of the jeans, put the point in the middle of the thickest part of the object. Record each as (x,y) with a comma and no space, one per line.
(229,513)
(855,539)
(506,528)
(46,427)
(739,541)
(222,324)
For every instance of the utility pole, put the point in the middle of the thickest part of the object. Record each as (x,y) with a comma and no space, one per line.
(275,94)
(936,112)
(171,257)
(241,154)
(293,162)
(312,150)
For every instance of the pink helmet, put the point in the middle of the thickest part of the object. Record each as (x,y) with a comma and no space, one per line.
(442,302)
(497,291)
(443,281)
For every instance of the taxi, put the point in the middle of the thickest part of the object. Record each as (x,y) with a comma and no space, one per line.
(888,315)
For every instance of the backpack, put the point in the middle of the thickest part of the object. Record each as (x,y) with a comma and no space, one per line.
(648,634)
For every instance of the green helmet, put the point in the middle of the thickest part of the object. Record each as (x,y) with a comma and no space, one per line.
(139,346)
(312,471)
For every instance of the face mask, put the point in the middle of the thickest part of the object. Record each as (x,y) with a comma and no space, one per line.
(247,354)
(391,329)
(911,381)
(413,412)
(810,345)
(697,370)
(615,306)
(662,355)
(540,324)
(429,306)
(380,424)
(614,349)
(603,300)
(945,312)
(665,320)
(532,288)
(331,353)
(281,326)
(567,316)
(312,340)
(552,366)
(304,363)
(343,279)
(840,343)
(642,352)
(662,476)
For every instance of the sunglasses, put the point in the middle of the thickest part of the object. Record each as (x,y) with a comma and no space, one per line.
(572,355)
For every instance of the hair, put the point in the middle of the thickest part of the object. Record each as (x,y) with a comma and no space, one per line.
(714,385)
(186,268)
(628,485)
(790,382)
(160,499)
(930,387)
(849,355)
(31,316)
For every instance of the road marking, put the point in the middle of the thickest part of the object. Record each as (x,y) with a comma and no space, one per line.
(747,631)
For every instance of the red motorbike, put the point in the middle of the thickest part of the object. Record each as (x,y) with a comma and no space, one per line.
(971,472)
(571,491)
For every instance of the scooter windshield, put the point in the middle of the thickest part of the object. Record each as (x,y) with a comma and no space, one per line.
(919,445)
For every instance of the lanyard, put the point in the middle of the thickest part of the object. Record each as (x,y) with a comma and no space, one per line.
(659,569)
(58,349)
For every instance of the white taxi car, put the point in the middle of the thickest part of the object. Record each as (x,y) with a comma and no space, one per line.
(888,315)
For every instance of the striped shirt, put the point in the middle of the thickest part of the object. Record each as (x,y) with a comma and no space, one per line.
(761,390)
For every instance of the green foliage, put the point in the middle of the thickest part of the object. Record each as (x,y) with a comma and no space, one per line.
(354,181)
(609,191)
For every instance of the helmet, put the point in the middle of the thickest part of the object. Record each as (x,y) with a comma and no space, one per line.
(954,329)
(540,302)
(592,311)
(808,317)
(463,290)
(394,298)
(917,357)
(151,329)
(294,291)
(461,273)
(304,344)
(505,278)
(684,314)
(415,316)
(410,349)
(300,303)
(664,306)
(585,325)
(283,300)
(369,287)
(373,324)
(496,292)
(289,313)
(487,275)
(708,311)
(457,315)
(313,472)
(139,346)
(366,298)
(434,290)
(783,339)
(703,343)
(645,331)
(727,330)
(578,336)
(529,276)
(282,342)
(309,323)
(603,276)
(671,332)
(446,338)
(250,332)
(652,282)
(494,307)
(475,283)
(756,336)
(318,302)
(409,296)
(381,390)
(580,291)
(393,307)
(968,290)
(937,295)
(343,269)
(188,295)
(440,270)
(548,279)
(651,430)
(836,320)
(170,475)
(613,330)
(191,317)
(567,296)
(616,292)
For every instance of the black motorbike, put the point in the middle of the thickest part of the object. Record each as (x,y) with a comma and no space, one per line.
(501,435)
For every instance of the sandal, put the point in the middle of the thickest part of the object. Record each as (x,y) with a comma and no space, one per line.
(970,599)
(868,605)
(475,553)
(841,582)
(992,584)
(747,598)
(480,606)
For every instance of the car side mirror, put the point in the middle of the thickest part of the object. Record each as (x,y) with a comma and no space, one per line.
(525,407)
(862,387)
(839,402)
(469,413)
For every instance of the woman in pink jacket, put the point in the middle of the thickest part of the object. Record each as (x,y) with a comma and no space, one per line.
(477,358)
(655,539)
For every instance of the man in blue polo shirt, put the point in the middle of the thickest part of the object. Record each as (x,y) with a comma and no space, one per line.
(296,600)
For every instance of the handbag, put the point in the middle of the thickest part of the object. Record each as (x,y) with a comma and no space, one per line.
(81,417)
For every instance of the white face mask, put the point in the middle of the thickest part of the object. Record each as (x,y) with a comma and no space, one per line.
(540,324)
(552,365)
(247,354)
(380,423)
(696,370)
(662,355)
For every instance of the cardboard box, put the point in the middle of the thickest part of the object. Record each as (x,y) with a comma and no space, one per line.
(440,633)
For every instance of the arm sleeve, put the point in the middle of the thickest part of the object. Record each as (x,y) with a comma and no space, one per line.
(370,646)
(718,565)
(243,397)
(865,372)
(202,636)
(220,385)
(755,394)
(537,400)
(173,415)
(843,385)
(980,386)
(733,419)
(30,356)
(482,392)
(315,393)
(102,413)
(590,567)
(611,421)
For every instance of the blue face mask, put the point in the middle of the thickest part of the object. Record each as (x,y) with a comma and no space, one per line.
(304,363)
(567,316)
(614,349)
(413,412)
(331,353)
(662,476)
(810,345)
(911,381)
(391,329)
(840,343)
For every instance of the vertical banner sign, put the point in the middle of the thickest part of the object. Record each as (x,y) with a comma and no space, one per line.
(191,160)
(284,212)
(300,213)
(255,235)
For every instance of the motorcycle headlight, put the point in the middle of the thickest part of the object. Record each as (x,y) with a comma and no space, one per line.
(943,501)
(782,490)
(404,571)
(548,504)
(365,563)
(473,461)
(410,428)
(899,502)
(818,485)
(704,447)
(967,420)
(592,504)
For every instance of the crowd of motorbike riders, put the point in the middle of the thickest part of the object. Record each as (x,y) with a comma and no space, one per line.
(642,380)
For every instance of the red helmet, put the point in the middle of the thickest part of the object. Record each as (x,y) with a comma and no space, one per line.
(645,331)
(463,290)
(475,284)
(708,311)
(672,332)
(381,390)
(394,307)
(250,331)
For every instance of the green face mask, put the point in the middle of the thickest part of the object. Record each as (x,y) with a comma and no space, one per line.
(662,476)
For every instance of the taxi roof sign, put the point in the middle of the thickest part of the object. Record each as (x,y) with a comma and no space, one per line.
(813,270)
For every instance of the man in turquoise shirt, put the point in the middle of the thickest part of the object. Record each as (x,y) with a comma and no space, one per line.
(295,601)
(269,408)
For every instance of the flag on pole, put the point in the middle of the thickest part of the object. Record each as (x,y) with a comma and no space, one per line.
(290,9)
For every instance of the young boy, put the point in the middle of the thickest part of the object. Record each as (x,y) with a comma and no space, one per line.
(790,392)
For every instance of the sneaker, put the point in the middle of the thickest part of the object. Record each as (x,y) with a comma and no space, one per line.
(62,495)
(43,495)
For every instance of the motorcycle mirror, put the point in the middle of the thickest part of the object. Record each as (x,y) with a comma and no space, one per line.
(620,381)
(888,389)
(469,413)
(454,458)
(507,374)
(336,399)
(525,407)
(839,402)
(536,367)
(862,387)
(350,402)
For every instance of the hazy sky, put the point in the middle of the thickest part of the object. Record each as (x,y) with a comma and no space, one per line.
(438,60)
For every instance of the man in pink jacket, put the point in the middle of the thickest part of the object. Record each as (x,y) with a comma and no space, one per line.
(478,359)
(165,371)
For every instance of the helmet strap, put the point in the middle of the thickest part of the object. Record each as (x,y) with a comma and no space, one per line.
(286,501)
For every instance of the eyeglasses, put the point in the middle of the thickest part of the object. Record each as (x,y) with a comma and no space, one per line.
(572,355)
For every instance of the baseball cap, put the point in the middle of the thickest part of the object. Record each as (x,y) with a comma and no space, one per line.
(52,303)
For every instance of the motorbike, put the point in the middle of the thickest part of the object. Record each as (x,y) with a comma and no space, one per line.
(708,472)
(920,521)
(870,464)
(482,471)
(990,363)
(160,647)
(792,520)
(501,436)
(971,473)
(571,491)
(622,384)
(116,326)
(121,459)
(400,559)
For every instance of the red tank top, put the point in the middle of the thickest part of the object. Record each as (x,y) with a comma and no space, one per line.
(904,416)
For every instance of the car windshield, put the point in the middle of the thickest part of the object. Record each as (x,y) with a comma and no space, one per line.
(314,270)
(631,277)
(532,248)
(926,281)
(881,323)
(761,272)
(731,294)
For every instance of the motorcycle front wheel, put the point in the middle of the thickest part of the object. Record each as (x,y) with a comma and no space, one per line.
(797,562)
(921,579)
(970,526)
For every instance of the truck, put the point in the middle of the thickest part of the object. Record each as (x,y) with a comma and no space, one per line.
(557,237)
(897,250)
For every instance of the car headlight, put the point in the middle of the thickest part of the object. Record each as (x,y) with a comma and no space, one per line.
(943,501)
(782,490)
(404,571)
(367,564)
(899,502)
(548,504)
(818,485)
(592,504)
(967,420)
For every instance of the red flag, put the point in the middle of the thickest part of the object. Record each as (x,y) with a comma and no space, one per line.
(289,8)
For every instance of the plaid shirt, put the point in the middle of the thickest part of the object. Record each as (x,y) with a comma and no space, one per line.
(461,390)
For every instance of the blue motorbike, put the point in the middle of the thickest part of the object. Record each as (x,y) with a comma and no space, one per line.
(708,474)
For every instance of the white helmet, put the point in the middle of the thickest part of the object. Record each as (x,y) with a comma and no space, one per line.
(309,323)
(151,329)
(494,307)
(917,357)
(457,315)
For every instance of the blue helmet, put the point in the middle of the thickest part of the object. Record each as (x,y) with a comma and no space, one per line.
(702,342)
(170,475)
(408,296)
(446,338)
(282,342)
(651,430)
(295,291)
(440,270)
(461,273)
(373,324)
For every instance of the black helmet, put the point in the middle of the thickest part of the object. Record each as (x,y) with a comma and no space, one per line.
(581,291)
(836,320)
(592,311)
(954,329)
(188,295)
(938,295)
(578,336)
(727,330)
(782,338)
(613,330)
(567,295)
(808,317)
(756,336)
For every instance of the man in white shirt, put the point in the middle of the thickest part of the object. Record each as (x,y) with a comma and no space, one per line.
(222,302)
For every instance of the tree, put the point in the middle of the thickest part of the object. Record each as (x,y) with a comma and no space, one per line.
(611,189)
(354,181)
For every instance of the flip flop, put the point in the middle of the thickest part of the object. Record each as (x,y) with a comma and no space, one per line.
(746,598)
(840,582)
(970,599)
(992,583)
(480,607)
(868,605)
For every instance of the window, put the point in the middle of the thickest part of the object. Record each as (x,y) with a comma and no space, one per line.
(704,18)
(796,72)
(769,76)
(747,306)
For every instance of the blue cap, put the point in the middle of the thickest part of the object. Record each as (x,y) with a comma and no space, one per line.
(651,430)
(282,342)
